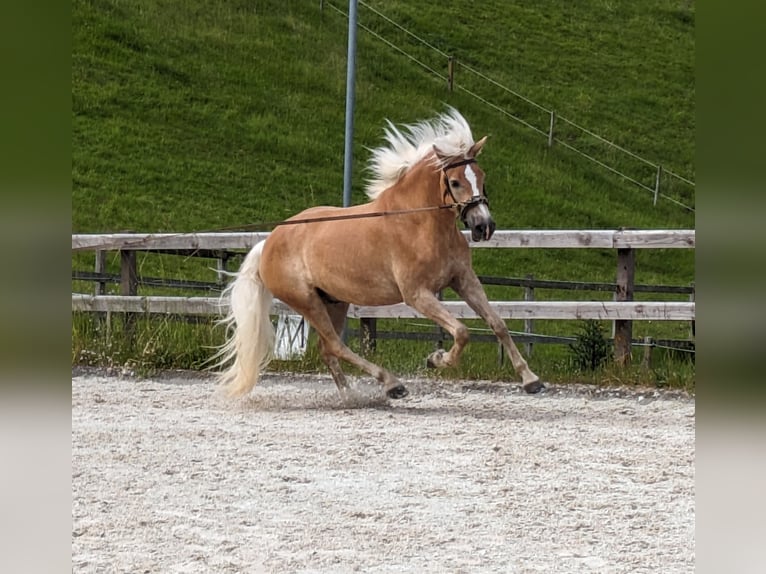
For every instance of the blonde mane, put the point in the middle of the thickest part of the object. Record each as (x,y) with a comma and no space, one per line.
(449,132)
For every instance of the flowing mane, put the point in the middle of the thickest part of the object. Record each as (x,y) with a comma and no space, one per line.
(449,132)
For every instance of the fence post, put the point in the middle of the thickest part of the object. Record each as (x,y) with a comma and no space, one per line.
(657,179)
(128,286)
(369,334)
(529,324)
(450,73)
(646,362)
(550,129)
(220,268)
(623,330)
(100,288)
(691,299)
(128,273)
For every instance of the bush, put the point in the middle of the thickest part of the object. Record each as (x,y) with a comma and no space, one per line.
(591,349)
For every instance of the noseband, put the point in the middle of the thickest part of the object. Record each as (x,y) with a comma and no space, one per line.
(466,205)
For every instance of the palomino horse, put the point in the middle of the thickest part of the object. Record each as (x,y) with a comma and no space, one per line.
(403,245)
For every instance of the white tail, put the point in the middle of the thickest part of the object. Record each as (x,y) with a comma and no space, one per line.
(251,334)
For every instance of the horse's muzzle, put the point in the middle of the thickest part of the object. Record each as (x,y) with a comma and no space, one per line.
(476,217)
(483,231)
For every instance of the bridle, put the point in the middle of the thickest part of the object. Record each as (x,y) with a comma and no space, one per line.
(465,206)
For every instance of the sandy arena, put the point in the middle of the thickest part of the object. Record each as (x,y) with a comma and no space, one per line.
(458,477)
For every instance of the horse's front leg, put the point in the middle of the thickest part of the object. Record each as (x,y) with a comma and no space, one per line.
(472,292)
(427,304)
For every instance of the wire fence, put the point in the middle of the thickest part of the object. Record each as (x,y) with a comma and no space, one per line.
(647,175)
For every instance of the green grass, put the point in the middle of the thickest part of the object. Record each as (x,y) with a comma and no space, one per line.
(158,343)
(202,115)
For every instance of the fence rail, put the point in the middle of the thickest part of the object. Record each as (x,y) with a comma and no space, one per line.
(526,283)
(622,311)
(601,310)
(529,238)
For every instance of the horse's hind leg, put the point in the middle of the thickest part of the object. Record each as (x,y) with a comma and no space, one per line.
(316,312)
(337,311)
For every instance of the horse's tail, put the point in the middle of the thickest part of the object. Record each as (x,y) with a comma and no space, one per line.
(250,342)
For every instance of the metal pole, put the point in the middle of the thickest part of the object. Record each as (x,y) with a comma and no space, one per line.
(350,77)
(550,130)
(657,183)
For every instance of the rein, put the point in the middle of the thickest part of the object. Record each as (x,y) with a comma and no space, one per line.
(463,206)
(256,226)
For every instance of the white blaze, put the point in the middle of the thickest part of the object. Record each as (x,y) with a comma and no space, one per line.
(482,210)
(471,177)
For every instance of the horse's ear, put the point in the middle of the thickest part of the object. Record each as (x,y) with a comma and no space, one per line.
(476,148)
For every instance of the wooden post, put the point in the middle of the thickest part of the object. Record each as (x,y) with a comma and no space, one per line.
(129,286)
(691,298)
(550,129)
(529,324)
(450,73)
(220,267)
(100,288)
(623,330)
(369,334)
(646,362)
(128,273)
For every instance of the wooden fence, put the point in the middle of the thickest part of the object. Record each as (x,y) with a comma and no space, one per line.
(222,246)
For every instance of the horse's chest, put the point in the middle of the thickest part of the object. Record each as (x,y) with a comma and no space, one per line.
(435,268)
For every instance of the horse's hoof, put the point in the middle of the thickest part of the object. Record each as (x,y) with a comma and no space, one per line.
(397,392)
(434,360)
(534,387)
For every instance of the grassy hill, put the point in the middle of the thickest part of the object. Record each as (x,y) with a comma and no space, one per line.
(192,115)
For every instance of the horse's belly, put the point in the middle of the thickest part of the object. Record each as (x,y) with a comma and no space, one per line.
(366,292)
(357,278)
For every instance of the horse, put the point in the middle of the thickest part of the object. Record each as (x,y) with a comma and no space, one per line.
(401,246)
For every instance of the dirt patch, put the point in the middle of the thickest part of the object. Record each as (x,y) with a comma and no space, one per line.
(457,477)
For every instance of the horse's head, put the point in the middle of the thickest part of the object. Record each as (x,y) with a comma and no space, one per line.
(464,185)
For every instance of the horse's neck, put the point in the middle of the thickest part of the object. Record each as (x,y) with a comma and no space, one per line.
(419,187)
(422,187)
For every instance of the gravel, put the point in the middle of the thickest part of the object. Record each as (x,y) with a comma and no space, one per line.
(167,476)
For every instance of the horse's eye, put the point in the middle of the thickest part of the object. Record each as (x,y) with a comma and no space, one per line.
(454,183)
